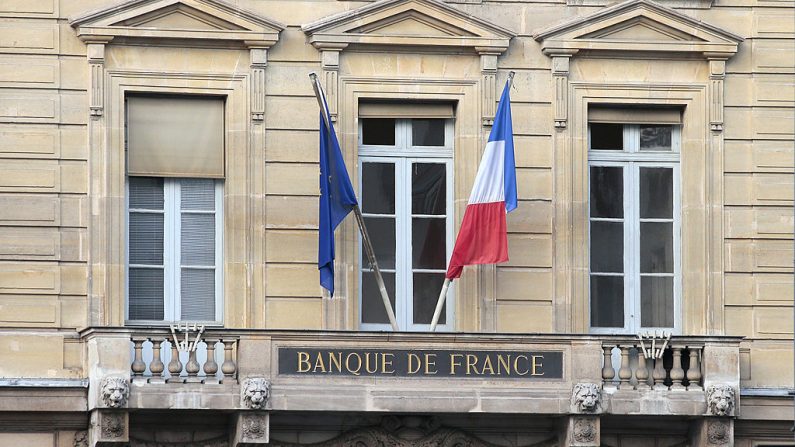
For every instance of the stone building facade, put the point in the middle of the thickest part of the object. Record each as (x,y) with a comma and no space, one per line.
(158,223)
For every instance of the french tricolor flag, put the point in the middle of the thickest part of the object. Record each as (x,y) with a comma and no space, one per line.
(483,238)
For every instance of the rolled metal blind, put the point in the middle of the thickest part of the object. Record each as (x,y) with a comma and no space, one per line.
(175,136)
(632,115)
(406,110)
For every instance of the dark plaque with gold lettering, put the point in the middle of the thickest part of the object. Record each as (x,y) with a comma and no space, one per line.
(532,365)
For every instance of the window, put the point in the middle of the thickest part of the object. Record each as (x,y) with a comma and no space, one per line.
(174,209)
(406,195)
(634,215)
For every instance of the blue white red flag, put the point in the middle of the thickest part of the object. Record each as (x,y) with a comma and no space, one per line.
(483,238)
(337,198)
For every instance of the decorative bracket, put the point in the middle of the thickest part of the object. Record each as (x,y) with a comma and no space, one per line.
(95,51)
(560,75)
(488,74)
(259,60)
(330,63)
(717,75)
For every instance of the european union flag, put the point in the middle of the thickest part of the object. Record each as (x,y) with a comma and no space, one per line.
(337,198)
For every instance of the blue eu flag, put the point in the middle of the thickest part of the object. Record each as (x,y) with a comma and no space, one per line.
(337,198)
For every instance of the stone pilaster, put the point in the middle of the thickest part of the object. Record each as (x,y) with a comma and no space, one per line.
(581,431)
(330,64)
(717,75)
(109,428)
(251,429)
(259,60)
(95,50)
(488,76)
(560,77)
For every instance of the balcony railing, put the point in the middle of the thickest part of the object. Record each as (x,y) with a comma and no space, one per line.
(626,367)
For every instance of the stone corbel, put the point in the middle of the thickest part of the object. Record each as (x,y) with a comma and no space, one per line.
(330,64)
(259,60)
(95,51)
(560,76)
(488,75)
(717,75)
(252,429)
(109,428)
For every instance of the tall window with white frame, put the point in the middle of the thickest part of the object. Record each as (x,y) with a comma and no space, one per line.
(174,209)
(634,217)
(406,193)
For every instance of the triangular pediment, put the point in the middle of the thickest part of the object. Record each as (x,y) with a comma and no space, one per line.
(407,22)
(639,26)
(178,19)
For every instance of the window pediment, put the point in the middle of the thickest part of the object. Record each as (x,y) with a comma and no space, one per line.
(638,25)
(178,19)
(427,23)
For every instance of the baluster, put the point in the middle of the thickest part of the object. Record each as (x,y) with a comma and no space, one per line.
(625,372)
(156,367)
(694,370)
(210,366)
(642,372)
(228,367)
(608,372)
(659,374)
(192,367)
(174,366)
(677,373)
(138,366)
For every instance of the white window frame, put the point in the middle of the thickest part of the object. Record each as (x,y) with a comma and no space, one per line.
(402,155)
(171,254)
(631,159)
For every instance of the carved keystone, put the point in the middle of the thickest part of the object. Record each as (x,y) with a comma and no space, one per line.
(114,391)
(586,398)
(252,429)
(255,392)
(109,428)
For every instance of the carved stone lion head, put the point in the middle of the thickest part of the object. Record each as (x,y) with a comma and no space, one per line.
(114,391)
(720,400)
(255,392)
(586,397)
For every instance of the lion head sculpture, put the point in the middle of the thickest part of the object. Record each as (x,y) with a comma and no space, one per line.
(720,400)
(586,397)
(114,391)
(255,392)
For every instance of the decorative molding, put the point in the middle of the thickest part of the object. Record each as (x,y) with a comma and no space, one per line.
(560,75)
(424,23)
(586,398)
(95,51)
(331,66)
(717,75)
(251,429)
(638,25)
(719,432)
(255,393)
(721,400)
(80,439)
(689,4)
(215,20)
(114,391)
(259,60)
(113,425)
(109,428)
(216,442)
(585,431)
(488,73)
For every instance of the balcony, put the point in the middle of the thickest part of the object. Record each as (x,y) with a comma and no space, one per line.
(410,372)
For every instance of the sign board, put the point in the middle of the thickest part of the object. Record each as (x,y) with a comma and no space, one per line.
(525,365)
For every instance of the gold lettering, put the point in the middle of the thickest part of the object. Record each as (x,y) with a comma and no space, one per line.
(516,365)
(472,362)
(503,363)
(385,363)
(303,359)
(319,363)
(367,362)
(332,361)
(454,363)
(354,371)
(414,357)
(487,364)
(537,365)
(429,363)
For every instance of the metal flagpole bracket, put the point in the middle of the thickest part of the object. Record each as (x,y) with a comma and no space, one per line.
(368,246)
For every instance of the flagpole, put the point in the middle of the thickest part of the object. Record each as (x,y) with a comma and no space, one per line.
(447,281)
(368,246)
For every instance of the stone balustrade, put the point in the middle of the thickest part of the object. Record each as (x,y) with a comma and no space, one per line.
(212,358)
(678,369)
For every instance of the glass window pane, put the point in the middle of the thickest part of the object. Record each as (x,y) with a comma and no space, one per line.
(607,191)
(428,243)
(198,294)
(372,304)
(382,236)
(656,247)
(146,238)
(607,247)
(197,194)
(426,292)
(378,131)
(428,188)
(198,239)
(655,138)
(607,301)
(145,293)
(607,136)
(656,193)
(146,193)
(428,132)
(657,301)
(378,188)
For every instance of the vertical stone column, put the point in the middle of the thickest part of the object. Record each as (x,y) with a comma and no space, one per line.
(255,256)
(488,76)
(560,76)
